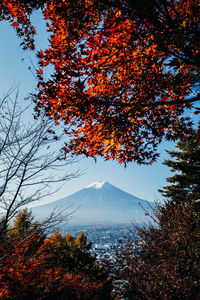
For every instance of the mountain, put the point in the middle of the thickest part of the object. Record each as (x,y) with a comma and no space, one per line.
(99,203)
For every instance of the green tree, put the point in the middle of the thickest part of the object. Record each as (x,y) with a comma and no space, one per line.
(74,254)
(166,265)
(186,163)
(32,277)
(24,228)
(23,223)
(58,267)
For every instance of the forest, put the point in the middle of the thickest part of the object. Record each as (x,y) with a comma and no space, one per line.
(118,77)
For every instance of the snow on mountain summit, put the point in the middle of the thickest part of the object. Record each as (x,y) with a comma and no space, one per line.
(96,184)
(99,203)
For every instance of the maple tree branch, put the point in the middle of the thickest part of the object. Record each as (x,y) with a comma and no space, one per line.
(152,104)
(162,103)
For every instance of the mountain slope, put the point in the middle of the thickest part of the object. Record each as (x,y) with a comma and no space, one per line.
(99,203)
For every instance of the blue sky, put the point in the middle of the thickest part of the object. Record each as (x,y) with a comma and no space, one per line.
(141,181)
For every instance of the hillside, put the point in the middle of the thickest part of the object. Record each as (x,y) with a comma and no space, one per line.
(99,203)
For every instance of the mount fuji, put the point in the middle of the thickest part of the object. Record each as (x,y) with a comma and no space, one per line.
(99,203)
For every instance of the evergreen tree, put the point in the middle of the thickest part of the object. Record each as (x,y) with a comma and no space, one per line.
(25,227)
(186,163)
(166,265)
(58,267)
(4,228)
(74,255)
(22,224)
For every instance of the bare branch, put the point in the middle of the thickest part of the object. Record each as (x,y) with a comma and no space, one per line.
(32,166)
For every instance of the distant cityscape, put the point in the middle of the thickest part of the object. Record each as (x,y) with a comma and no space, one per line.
(104,215)
(105,239)
(107,243)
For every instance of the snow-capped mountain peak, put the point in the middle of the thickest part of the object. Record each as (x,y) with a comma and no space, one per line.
(99,203)
(96,184)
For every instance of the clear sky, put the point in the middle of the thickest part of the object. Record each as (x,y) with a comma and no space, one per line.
(141,181)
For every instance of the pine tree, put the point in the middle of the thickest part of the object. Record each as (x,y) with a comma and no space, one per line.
(167,263)
(74,254)
(22,224)
(186,163)
(25,227)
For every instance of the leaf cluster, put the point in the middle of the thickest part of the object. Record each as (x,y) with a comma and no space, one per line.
(36,267)
(167,264)
(123,72)
(161,260)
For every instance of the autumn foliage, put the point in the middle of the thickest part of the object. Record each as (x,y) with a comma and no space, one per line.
(123,71)
(32,267)
(167,264)
(162,258)
(32,277)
